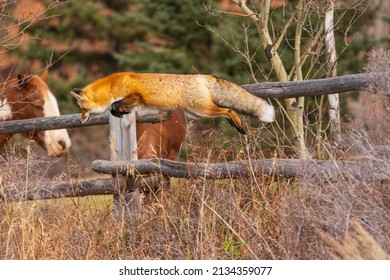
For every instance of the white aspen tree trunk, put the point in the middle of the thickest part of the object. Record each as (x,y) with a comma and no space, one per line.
(331,61)
(123,137)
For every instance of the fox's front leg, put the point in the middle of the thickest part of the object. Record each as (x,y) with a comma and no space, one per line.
(117,110)
(123,106)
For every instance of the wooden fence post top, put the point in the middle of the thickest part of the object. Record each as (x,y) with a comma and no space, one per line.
(123,137)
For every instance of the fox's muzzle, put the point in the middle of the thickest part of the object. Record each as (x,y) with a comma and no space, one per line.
(85,116)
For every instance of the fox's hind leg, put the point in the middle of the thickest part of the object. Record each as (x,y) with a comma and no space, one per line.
(230,115)
(235,121)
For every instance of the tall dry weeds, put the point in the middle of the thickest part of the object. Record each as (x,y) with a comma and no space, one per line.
(331,205)
(44,229)
(371,114)
(193,219)
(357,245)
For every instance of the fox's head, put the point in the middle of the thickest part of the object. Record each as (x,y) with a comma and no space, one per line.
(87,108)
(94,99)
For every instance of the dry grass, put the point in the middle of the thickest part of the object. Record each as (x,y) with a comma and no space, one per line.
(264,217)
(357,245)
(193,219)
(330,206)
(371,114)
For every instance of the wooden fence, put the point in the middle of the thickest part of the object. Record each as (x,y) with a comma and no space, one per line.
(280,90)
(124,161)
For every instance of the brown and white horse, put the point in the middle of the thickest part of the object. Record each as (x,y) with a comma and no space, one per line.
(161,140)
(27,97)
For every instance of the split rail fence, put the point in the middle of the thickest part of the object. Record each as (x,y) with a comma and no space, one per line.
(124,162)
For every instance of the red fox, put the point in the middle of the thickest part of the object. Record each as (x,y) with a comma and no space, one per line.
(201,95)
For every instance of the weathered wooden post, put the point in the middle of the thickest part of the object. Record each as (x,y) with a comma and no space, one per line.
(123,141)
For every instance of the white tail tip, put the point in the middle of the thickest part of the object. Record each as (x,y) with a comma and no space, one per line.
(269,114)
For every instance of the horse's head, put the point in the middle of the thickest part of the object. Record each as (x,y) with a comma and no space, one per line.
(32,98)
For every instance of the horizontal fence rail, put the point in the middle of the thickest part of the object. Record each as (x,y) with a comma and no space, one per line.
(314,170)
(317,87)
(52,190)
(72,121)
(325,170)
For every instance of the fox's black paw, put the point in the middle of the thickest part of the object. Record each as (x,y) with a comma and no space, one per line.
(239,128)
(116,114)
(118,109)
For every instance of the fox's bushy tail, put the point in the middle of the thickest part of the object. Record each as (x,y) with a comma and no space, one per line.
(229,95)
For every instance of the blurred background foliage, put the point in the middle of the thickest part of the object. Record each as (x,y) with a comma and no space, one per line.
(84,40)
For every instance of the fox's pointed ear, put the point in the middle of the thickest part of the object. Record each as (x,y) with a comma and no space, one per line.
(76,93)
